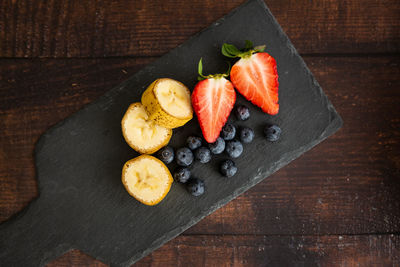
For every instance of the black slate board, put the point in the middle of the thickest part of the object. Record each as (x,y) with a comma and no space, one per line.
(82,203)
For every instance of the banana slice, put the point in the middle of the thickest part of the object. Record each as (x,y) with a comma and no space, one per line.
(168,103)
(147,179)
(141,133)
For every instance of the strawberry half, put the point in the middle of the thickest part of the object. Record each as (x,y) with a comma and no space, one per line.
(255,76)
(213,99)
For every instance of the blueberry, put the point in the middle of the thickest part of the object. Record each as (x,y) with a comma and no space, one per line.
(166,154)
(218,146)
(228,168)
(202,154)
(242,112)
(272,132)
(234,148)
(184,157)
(195,187)
(193,142)
(228,131)
(246,135)
(182,174)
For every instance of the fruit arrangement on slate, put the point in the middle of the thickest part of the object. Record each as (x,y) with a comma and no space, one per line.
(166,104)
(81,205)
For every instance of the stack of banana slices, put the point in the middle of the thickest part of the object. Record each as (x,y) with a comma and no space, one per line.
(147,127)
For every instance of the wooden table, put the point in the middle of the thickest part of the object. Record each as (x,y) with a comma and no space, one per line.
(338,205)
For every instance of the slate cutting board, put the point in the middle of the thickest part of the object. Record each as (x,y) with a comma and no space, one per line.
(82,203)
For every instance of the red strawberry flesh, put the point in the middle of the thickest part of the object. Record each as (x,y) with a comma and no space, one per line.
(212,101)
(256,78)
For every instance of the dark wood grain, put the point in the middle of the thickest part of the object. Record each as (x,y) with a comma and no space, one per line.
(149,28)
(249,251)
(346,185)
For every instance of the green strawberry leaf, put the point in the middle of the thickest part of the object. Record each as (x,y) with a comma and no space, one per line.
(259,48)
(248,46)
(200,67)
(200,70)
(229,50)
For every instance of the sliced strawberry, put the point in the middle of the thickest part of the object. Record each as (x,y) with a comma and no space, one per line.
(213,100)
(255,76)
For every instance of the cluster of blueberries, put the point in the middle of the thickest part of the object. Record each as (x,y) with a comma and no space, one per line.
(225,142)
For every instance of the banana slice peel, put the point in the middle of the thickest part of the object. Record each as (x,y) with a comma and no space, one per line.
(168,103)
(147,179)
(142,133)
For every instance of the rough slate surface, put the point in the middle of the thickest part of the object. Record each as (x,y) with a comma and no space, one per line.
(82,202)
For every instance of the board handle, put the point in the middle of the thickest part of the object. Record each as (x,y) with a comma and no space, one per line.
(30,238)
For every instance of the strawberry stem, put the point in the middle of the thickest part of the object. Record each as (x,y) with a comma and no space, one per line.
(226,74)
(210,76)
